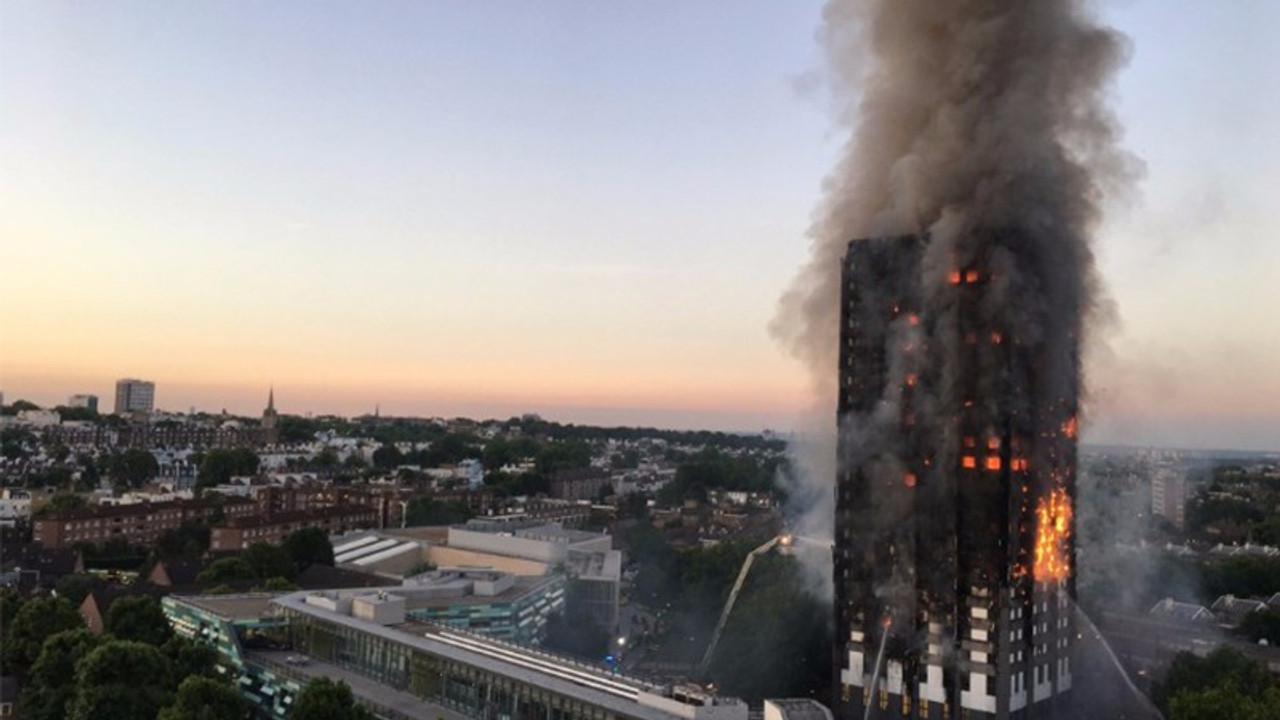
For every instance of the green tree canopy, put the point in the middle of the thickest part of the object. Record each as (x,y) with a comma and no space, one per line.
(226,570)
(307,547)
(76,586)
(62,502)
(35,622)
(1262,625)
(131,468)
(202,698)
(1225,702)
(387,457)
(140,618)
(1224,676)
(191,657)
(121,679)
(424,510)
(219,465)
(188,540)
(51,685)
(269,561)
(325,699)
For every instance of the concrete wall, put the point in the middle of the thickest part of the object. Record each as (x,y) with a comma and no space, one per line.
(453,557)
(501,544)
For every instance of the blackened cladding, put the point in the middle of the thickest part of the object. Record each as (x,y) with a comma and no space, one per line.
(955,479)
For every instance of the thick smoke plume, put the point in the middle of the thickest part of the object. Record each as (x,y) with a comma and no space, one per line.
(983,125)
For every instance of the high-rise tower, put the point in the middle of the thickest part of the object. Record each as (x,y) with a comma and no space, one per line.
(134,396)
(954,571)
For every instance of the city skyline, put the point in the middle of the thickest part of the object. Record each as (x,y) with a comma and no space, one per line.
(587,213)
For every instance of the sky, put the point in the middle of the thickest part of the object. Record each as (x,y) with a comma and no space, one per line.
(585,210)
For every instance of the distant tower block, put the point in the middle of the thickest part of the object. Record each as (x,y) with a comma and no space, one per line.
(953,564)
(134,396)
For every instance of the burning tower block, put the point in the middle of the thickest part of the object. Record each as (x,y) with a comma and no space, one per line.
(954,571)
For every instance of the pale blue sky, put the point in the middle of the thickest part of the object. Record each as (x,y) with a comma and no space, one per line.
(583,209)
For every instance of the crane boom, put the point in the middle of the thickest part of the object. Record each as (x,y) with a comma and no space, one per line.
(733,597)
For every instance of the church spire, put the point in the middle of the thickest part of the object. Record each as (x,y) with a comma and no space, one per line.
(271,398)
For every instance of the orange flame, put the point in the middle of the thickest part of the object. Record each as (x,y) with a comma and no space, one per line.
(1053,529)
(1069,427)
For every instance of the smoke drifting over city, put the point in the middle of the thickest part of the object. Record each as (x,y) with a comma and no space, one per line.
(982,125)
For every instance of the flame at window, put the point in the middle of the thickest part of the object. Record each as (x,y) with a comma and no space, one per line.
(1053,530)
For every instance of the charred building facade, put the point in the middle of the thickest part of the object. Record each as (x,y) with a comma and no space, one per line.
(953,563)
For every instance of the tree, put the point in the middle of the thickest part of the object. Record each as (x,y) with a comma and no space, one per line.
(62,502)
(324,699)
(76,586)
(225,570)
(132,468)
(1262,625)
(1213,674)
(121,679)
(424,510)
(34,623)
(191,657)
(562,456)
(422,566)
(190,540)
(325,460)
(1225,702)
(387,457)
(51,684)
(307,547)
(275,584)
(625,460)
(776,638)
(269,561)
(140,618)
(219,465)
(202,698)
(76,413)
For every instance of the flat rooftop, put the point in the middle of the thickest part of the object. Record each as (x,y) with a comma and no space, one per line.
(566,677)
(369,692)
(523,586)
(250,606)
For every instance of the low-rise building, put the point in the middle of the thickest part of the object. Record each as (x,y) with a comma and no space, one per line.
(137,524)
(15,507)
(273,645)
(241,532)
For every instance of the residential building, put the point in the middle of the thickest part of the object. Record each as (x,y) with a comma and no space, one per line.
(15,506)
(241,532)
(138,524)
(1169,495)
(578,483)
(89,402)
(954,547)
(134,396)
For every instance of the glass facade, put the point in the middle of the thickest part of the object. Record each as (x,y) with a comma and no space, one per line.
(269,694)
(523,620)
(241,633)
(466,689)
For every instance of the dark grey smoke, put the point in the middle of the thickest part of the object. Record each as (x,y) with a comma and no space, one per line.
(983,124)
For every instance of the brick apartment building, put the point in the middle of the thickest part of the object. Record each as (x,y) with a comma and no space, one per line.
(239,533)
(138,524)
